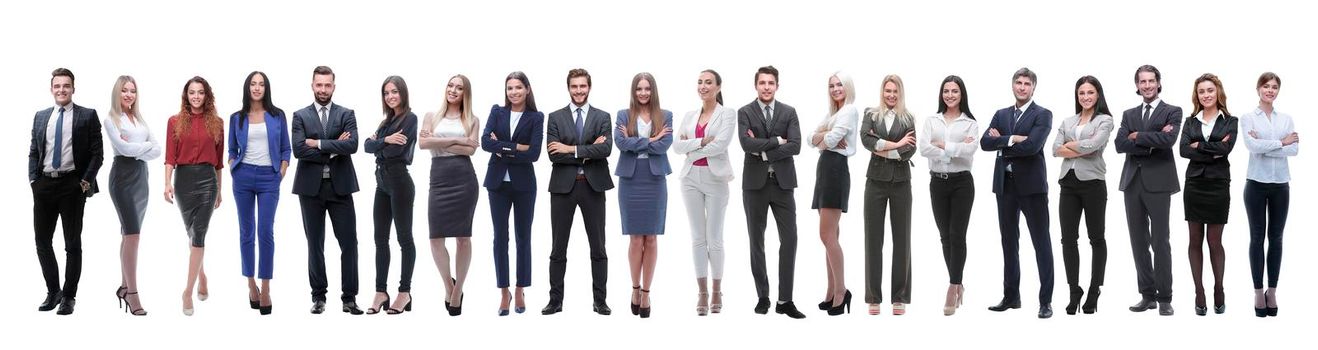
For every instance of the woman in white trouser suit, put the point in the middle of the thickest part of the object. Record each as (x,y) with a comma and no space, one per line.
(704,138)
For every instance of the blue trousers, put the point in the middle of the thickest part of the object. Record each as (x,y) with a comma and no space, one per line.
(256,194)
(522,204)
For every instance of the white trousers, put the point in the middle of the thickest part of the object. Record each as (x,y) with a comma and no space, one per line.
(706,199)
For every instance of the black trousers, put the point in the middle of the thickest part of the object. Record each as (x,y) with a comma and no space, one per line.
(562,209)
(1266,205)
(1035,208)
(1087,198)
(343,216)
(394,196)
(952,199)
(757,204)
(1147,215)
(53,200)
(878,194)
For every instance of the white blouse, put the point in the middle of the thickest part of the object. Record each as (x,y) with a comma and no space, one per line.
(132,139)
(1267,157)
(447,127)
(956,155)
(842,126)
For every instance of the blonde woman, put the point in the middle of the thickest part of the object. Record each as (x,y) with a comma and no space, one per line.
(450,134)
(888,132)
(835,138)
(704,138)
(134,145)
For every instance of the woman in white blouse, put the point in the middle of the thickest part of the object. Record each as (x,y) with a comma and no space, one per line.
(949,140)
(1270,137)
(704,138)
(133,145)
(836,138)
(1080,142)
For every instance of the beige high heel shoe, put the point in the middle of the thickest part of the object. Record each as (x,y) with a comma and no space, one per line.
(702,305)
(716,307)
(953,300)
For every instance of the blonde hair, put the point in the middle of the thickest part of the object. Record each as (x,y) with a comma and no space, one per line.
(467,117)
(900,108)
(116,109)
(653,106)
(848,86)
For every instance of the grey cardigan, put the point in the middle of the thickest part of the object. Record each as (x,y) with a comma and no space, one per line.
(1092,140)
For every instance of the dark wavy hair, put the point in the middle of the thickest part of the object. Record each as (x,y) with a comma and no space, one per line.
(214,125)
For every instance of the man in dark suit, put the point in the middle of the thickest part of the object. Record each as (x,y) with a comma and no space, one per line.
(1020,180)
(771,136)
(579,147)
(1148,180)
(63,159)
(324,139)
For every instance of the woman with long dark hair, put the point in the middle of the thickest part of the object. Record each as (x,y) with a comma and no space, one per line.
(704,138)
(1271,138)
(393,143)
(510,180)
(1080,142)
(949,140)
(644,133)
(259,151)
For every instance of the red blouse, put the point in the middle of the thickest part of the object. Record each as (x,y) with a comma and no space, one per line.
(700,133)
(195,146)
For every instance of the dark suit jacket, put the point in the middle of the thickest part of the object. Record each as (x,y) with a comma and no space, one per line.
(1150,154)
(785,126)
(1030,174)
(593,158)
(883,168)
(1212,159)
(631,147)
(86,139)
(506,158)
(311,161)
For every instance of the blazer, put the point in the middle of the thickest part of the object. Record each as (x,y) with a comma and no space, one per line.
(722,123)
(1150,154)
(88,152)
(1026,158)
(276,136)
(631,147)
(1091,142)
(334,153)
(1212,159)
(592,158)
(506,158)
(871,131)
(388,153)
(766,140)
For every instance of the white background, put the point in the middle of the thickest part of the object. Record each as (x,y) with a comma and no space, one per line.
(164,44)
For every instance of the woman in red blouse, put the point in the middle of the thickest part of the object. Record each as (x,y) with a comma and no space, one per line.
(193,145)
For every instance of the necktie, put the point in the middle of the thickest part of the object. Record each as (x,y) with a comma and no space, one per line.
(58,151)
(581,126)
(1015,117)
(768,116)
(1147,109)
(324,120)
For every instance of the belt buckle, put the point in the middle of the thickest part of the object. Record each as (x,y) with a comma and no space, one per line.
(943,176)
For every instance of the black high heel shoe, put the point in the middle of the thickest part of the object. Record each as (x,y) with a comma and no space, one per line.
(457,310)
(1074,305)
(120,293)
(841,308)
(128,307)
(826,304)
(636,308)
(644,312)
(1091,302)
(378,307)
(406,307)
(1219,301)
(1270,302)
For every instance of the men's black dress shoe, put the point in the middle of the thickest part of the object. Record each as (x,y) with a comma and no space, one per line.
(66,307)
(789,309)
(762,307)
(1144,304)
(351,308)
(553,308)
(51,302)
(1165,309)
(1005,304)
(1045,311)
(318,307)
(602,309)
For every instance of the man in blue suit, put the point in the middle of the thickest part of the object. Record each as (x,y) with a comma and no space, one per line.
(1017,134)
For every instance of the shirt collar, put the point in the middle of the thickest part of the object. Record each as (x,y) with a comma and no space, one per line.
(67,107)
(1025,106)
(772,105)
(1200,116)
(327,107)
(1154,104)
(585,108)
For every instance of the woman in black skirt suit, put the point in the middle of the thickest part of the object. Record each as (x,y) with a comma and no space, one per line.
(1207,139)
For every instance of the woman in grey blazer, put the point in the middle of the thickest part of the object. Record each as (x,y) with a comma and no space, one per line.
(704,138)
(1080,142)
(888,132)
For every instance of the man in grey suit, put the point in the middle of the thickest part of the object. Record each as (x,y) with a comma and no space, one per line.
(578,143)
(324,139)
(771,136)
(63,159)
(1149,179)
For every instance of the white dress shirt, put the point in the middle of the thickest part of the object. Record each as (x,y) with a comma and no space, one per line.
(132,139)
(258,145)
(1267,156)
(66,145)
(841,126)
(513,118)
(956,155)
(643,129)
(888,119)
